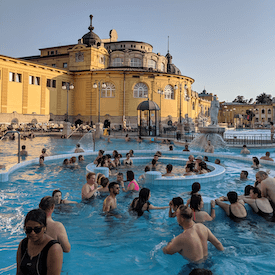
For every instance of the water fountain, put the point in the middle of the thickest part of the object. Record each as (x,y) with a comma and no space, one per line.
(87,142)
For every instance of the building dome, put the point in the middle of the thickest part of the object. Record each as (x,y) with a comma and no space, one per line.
(90,38)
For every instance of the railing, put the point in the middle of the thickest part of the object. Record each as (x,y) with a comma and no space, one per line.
(18,142)
(255,139)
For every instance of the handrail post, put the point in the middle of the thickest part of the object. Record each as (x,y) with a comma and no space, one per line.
(18,141)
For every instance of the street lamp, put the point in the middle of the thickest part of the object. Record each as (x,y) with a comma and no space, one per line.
(160,92)
(99,85)
(234,109)
(68,87)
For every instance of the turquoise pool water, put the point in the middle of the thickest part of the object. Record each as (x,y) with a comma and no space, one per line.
(103,244)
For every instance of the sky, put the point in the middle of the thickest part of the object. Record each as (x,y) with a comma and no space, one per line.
(227,46)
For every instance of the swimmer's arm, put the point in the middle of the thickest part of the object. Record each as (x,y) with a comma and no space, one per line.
(88,194)
(54,260)
(67,201)
(223,205)
(18,259)
(212,239)
(62,237)
(173,247)
(251,202)
(107,205)
(152,207)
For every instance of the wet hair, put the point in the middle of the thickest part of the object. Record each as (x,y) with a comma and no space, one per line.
(116,156)
(171,148)
(196,187)
(88,176)
(130,175)
(271,122)
(256,160)
(146,169)
(115,152)
(73,159)
(56,191)
(185,212)
(247,189)
(44,150)
(77,145)
(158,153)
(190,166)
(142,199)
(195,202)
(244,146)
(112,184)
(177,201)
(169,167)
(23,147)
(257,191)
(154,162)
(108,156)
(46,203)
(217,161)
(80,156)
(132,151)
(101,152)
(245,172)
(205,158)
(64,161)
(120,174)
(232,196)
(267,153)
(200,271)
(36,215)
(104,181)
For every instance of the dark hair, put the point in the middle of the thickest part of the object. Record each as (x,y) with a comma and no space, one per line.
(128,154)
(146,169)
(104,181)
(44,150)
(185,212)
(116,155)
(101,152)
(195,202)
(200,271)
(56,191)
(120,174)
(247,190)
(271,122)
(132,151)
(23,147)
(232,196)
(217,161)
(130,175)
(169,167)
(77,145)
(244,146)
(256,160)
(64,161)
(46,203)
(42,157)
(154,161)
(256,191)
(196,187)
(245,172)
(115,152)
(190,166)
(206,158)
(171,148)
(142,199)
(112,184)
(267,153)
(80,156)
(108,156)
(36,215)
(177,201)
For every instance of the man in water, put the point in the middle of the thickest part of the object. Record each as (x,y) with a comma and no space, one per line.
(119,178)
(78,149)
(23,152)
(90,187)
(245,151)
(243,175)
(192,243)
(209,148)
(267,157)
(267,186)
(169,168)
(110,202)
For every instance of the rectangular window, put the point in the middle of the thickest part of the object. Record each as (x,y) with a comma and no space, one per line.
(48,83)
(11,76)
(54,84)
(52,52)
(54,65)
(18,78)
(31,80)
(65,65)
(37,80)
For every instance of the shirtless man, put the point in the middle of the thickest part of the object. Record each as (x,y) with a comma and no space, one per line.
(56,230)
(23,152)
(192,243)
(169,168)
(78,149)
(209,147)
(245,151)
(110,202)
(89,188)
(267,186)
(43,153)
(243,175)
(267,157)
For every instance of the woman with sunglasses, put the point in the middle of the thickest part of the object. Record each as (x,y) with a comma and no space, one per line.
(38,253)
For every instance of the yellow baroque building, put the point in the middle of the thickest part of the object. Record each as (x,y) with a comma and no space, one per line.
(110,79)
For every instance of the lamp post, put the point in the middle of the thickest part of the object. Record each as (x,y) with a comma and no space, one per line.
(160,92)
(68,87)
(234,109)
(99,86)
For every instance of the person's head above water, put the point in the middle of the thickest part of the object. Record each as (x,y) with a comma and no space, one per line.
(47,203)
(57,196)
(196,202)
(177,201)
(232,196)
(36,215)
(130,175)
(196,187)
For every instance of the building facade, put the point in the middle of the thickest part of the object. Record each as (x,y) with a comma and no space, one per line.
(110,78)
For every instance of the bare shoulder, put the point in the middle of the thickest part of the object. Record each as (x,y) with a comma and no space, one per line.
(56,248)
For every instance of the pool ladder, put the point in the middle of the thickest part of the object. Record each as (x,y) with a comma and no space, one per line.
(18,141)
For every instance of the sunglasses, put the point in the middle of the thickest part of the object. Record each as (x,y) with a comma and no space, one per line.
(36,229)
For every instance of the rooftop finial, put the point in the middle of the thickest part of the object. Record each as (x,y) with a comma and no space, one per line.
(168,43)
(91,25)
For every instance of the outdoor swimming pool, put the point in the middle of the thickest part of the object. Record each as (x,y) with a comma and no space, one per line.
(102,244)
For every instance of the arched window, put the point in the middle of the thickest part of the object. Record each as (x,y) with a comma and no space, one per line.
(117,62)
(109,90)
(269,111)
(140,90)
(263,111)
(152,64)
(169,92)
(135,62)
(162,67)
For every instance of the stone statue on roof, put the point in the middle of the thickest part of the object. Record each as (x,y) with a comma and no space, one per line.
(214,110)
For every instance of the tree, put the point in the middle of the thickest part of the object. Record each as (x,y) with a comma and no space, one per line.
(240,99)
(263,99)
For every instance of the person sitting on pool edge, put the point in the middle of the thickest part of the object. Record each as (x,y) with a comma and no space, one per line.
(174,204)
(267,157)
(192,243)
(245,151)
(56,230)
(57,196)
(169,168)
(196,204)
(141,203)
(236,209)
(133,185)
(110,203)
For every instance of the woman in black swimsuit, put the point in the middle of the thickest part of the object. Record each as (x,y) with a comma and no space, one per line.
(38,253)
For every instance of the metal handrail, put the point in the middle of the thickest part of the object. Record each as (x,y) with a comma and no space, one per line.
(18,141)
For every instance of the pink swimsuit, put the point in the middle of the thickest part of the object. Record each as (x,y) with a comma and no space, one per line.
(136,185)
